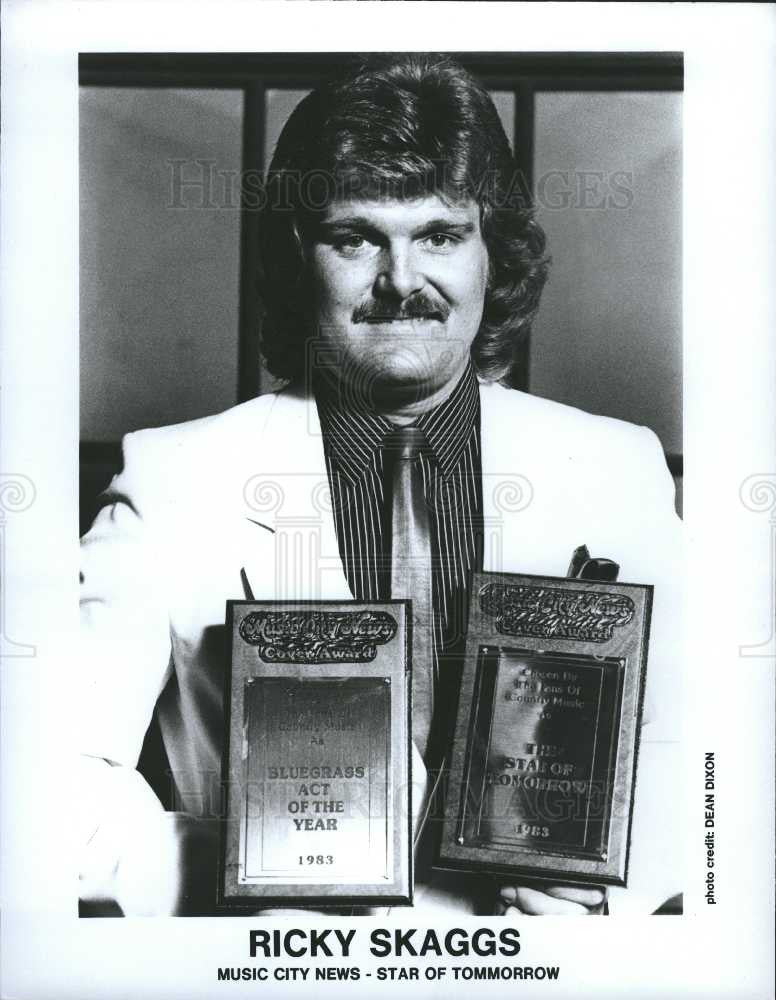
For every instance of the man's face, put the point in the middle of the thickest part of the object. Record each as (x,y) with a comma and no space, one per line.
(400,287)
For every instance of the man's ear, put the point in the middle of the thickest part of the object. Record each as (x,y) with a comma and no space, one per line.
(303,290)
(491,279)
(302,244)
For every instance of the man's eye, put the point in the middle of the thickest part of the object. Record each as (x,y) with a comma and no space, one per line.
(440,241)
(349,243)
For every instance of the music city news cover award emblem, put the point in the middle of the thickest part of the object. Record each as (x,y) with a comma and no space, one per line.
(317,757)
(542,771)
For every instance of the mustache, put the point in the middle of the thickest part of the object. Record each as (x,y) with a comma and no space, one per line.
(418,306)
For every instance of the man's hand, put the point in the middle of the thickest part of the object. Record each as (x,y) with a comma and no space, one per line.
(161,864)
(554,900)
(171,870)
(148,861)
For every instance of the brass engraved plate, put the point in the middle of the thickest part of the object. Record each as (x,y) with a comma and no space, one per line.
(546,765)
(319,756)
(316,764)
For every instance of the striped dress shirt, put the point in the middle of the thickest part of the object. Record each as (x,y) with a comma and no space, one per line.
(451,475)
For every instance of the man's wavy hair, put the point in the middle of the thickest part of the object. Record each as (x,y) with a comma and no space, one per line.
(400,126)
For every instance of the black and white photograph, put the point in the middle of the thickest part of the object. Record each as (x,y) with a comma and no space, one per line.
(386,265)
(400,624)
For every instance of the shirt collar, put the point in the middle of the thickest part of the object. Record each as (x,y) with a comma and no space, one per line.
(449,426)
(354,434)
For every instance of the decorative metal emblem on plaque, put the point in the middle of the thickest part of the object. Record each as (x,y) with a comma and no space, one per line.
(556,612)
(318,636)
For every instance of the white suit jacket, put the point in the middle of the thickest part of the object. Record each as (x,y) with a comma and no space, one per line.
(247,489)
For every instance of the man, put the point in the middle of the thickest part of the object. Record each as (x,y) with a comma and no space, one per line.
(400,269)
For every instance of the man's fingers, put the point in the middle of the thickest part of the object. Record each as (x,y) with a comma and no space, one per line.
(573,894)
(537,903)
(588,897)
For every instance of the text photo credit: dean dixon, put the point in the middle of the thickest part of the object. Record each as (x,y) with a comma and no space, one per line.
(381,468)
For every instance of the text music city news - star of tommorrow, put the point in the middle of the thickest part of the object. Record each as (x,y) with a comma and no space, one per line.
(397,299)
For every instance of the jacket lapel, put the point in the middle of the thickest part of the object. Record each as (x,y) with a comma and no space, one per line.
(532,519)
(291,498)
(506,490)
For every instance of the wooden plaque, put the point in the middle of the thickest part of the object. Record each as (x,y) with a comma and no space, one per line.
(317,760)
(542,771)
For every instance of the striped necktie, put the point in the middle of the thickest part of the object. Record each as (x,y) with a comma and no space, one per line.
(411,566)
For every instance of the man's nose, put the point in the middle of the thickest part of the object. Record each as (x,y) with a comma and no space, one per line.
(400,275)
